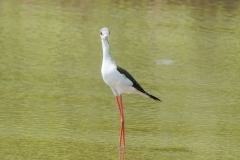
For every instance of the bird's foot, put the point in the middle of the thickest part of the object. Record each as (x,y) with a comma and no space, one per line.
(121,147)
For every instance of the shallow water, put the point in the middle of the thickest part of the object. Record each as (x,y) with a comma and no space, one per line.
(55,105)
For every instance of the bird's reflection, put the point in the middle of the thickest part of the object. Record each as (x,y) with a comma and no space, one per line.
(121,153)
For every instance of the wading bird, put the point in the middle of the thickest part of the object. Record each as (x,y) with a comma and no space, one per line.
(119,80)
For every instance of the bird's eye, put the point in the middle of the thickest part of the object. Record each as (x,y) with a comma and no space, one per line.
(101,33)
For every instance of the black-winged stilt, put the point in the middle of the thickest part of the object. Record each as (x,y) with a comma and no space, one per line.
(119,80)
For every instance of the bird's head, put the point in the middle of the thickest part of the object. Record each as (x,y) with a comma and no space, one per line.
(104,33)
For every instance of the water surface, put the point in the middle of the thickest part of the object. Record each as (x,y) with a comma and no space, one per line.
(55,105)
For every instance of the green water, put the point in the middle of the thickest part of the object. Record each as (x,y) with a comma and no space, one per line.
(54,104)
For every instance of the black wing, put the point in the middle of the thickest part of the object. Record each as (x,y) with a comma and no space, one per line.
(135,83)
(129,76)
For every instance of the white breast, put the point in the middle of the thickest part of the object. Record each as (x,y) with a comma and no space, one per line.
(114,79)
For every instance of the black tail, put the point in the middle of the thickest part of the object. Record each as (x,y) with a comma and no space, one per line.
(153,97)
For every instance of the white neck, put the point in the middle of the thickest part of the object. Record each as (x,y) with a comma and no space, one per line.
(106,51)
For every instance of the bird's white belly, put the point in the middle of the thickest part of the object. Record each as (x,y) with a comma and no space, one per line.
(116,80)
(111,77)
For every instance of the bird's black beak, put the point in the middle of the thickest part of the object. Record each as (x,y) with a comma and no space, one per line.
(106,38)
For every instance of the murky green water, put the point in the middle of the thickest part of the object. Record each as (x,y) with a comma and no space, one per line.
(55,105)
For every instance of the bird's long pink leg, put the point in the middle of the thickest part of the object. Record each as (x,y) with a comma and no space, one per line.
(121,130)
(122,120)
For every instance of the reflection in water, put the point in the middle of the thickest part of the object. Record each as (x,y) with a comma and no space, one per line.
(165,62)
(121,153)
